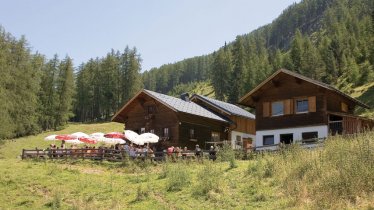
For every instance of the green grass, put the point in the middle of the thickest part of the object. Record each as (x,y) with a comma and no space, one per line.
(340,176)
(13,148)
(365,94)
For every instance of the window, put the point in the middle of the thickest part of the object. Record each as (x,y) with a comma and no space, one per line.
(277,108)
(215,136)
(142,130)
(151,109)
(192,133)
(152,131)
(268,140)
(344,107)
(286,138)
(165,132)
(302,105)
(309,135)
(238,140)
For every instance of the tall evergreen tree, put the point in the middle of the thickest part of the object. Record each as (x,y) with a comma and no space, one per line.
(65,91)
(221,69)
(239,67)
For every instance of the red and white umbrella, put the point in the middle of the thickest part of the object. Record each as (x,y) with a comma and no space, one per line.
(88,140)
(65,137)
(114,135)
(78,135)
(74,141)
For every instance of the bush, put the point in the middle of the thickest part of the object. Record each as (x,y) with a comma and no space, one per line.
(225,153)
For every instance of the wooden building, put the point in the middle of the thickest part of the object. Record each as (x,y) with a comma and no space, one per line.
(242,131)
(179,122)
(291,107)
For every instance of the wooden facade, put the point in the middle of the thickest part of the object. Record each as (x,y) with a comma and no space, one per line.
(241,131)
(298,102)
(146,113)
(238,123)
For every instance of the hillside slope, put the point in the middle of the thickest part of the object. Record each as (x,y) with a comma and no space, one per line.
(328,40)
(338,176)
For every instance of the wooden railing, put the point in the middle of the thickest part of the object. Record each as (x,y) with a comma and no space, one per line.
(306,143)
(105,154)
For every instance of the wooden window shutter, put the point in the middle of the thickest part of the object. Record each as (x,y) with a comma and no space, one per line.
(312,104)
(344,107)
(287,106)
(266,109)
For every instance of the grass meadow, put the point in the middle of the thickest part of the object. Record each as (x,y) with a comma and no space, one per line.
(338,176)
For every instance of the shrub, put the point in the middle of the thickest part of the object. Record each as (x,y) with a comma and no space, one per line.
(225,153)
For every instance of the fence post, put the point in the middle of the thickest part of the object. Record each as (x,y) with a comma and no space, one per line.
(23,153)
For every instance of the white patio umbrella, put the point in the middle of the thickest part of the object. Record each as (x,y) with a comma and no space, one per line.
(98,136)
(78,135)
(74,141)
(50,138)
(113,141)
(133,137)
(149,138)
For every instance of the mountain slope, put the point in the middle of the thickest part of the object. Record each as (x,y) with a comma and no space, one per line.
(328,40)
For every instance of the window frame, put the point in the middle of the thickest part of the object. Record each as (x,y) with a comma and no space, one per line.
(265,136)
(192,133)
(151,109)
(215,138)
(165,132)
(309,132)
(272,112)
(238,140)
(301,99)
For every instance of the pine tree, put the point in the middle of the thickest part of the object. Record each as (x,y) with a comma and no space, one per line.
(239,67)
(47,95)
(296,52)
(220,72)
(65,91)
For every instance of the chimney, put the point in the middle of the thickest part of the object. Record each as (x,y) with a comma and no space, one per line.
(185,97)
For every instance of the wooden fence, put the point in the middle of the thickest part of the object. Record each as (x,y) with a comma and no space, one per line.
(106,154)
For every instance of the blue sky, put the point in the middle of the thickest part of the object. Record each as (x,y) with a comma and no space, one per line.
(164,31)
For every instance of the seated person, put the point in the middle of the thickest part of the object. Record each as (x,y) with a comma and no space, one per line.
(198,151)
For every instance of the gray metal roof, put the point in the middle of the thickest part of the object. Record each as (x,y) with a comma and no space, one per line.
(184,106)
(227,107)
